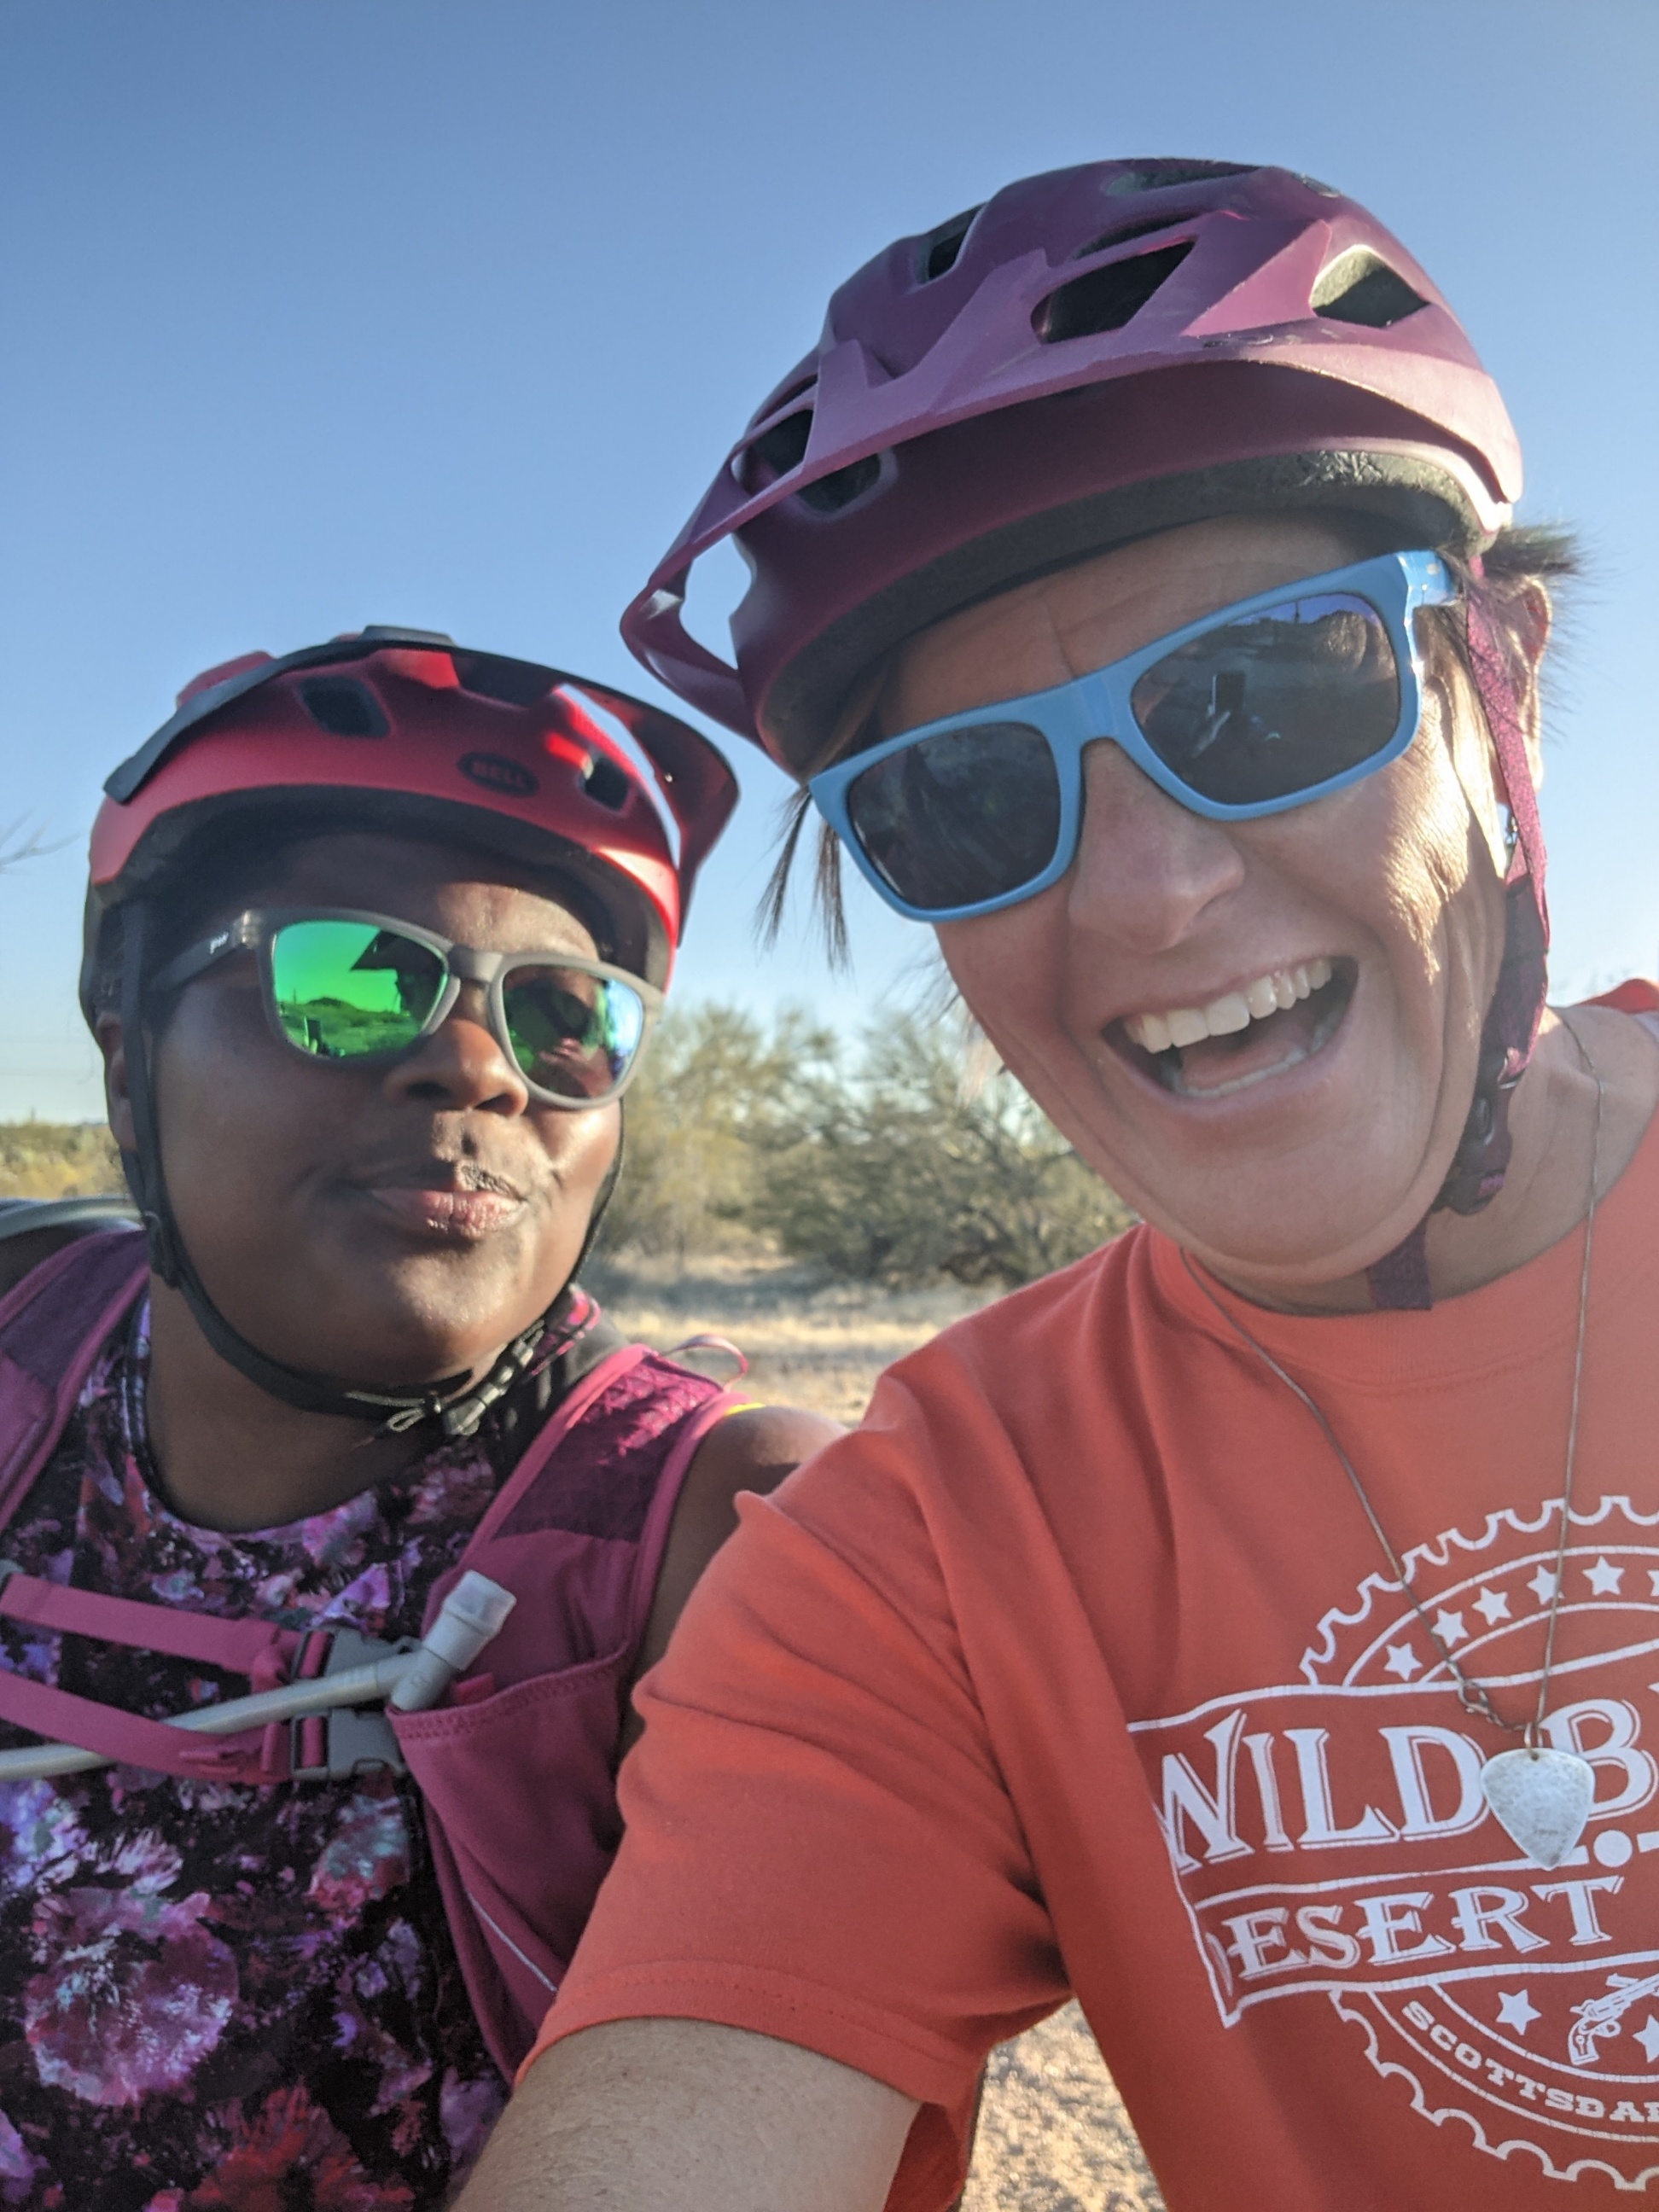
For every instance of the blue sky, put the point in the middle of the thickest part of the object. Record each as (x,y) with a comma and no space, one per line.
(442,312)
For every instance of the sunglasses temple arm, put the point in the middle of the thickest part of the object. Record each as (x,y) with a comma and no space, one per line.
(192,963)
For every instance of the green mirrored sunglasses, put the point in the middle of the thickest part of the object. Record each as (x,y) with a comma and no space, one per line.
(345,985)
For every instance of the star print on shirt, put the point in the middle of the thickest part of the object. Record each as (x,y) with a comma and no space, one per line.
(1516,2009)
(1542,1586)
(1402,1661)
(1647,2037)
(1496,1605)
(1603,1577)
(1449,1628)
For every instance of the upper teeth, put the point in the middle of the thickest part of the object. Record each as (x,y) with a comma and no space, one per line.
(1232,1011)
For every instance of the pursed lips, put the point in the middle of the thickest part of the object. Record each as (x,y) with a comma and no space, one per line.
(445,1198)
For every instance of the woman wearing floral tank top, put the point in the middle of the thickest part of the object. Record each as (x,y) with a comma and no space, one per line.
(368,1011)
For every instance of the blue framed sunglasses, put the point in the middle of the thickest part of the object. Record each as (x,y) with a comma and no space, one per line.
(1261,707)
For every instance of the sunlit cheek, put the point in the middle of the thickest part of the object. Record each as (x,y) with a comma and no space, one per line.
(580,1149)
(1010,969)
(1426,851)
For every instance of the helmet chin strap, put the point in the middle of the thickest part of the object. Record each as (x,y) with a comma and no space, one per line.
(455,1405)
(1400,1280)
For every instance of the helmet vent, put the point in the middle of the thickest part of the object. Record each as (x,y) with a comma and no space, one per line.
(509,682)
(1358,288)
(1128,230)
(343,708)
(1156,176)
(604,783)
(1108,297)
(797,388)
(776,451)
(830,494)
(936,254)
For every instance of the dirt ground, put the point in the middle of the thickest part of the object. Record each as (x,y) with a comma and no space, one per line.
(1052,2137)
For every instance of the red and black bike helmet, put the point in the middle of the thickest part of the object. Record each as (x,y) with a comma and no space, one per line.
(407,731)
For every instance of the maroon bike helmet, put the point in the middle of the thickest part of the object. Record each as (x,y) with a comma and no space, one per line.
(1093,355)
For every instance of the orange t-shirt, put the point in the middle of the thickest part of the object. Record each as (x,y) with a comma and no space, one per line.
(1077,1668)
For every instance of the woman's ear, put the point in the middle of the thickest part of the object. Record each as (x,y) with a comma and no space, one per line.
(117,1105)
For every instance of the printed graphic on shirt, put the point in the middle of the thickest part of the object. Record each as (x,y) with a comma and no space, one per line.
(1331,1840)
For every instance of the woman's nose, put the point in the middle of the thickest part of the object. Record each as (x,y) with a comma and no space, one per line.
(463,1065)
(1146,868)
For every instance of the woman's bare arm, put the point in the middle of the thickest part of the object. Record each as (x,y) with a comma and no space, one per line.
(751,1450)
(679,2116)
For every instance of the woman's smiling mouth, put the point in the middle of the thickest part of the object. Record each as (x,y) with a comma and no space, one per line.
(1243,1037)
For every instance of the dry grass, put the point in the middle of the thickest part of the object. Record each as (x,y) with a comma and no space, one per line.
(809,1342)
(57,1159)
(1053,2135)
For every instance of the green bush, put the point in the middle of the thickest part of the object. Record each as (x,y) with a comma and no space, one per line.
(889,1173)
(873,1165)
(708,1086)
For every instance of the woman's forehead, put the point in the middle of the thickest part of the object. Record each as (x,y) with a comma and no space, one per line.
(1056,627)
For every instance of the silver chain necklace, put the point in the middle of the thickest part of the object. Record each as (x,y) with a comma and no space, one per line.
(1539,1795)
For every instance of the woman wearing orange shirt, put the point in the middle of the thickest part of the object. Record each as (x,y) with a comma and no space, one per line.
(1253,1629)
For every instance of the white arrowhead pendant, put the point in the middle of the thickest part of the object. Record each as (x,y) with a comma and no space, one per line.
(1541,1798)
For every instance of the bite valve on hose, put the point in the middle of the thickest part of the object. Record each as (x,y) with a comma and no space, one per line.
(473,1614)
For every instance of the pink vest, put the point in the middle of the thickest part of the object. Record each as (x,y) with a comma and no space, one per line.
(517,1768)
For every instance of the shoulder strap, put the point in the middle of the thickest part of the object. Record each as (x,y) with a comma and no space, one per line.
(237,1644)
(571,1408)
(128,1740)
(53,1327)
(653,1537)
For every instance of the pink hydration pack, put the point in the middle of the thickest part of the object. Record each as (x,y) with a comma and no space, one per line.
(516,1768)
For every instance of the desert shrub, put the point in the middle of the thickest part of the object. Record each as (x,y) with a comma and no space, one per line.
(712,1076)
(57,1159)
(888,1172)
(869,1162)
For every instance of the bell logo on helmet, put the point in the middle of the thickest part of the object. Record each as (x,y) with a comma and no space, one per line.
(496,773)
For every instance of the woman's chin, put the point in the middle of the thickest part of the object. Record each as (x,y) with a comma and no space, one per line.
(425,1317)
(1286,1229)
(395,1339)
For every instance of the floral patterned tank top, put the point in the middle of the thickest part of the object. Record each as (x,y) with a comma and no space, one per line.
(212,1995)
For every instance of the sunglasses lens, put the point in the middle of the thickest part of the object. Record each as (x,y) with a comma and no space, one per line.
(345,989)
(1274,703)
(961,818)
(573,1034)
